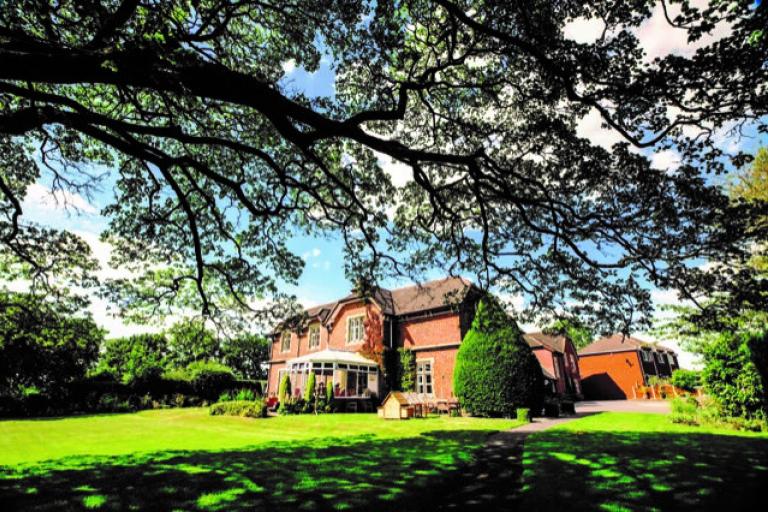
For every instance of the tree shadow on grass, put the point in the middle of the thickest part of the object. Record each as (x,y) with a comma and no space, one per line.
(360,473)
(643,471)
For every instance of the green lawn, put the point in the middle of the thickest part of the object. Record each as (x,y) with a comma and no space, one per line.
(183,459)
(624,461)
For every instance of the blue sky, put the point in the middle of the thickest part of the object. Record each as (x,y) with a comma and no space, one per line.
(323,279)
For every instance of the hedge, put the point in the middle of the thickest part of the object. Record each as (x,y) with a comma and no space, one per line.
(245,408)
(496,372)
(103,393)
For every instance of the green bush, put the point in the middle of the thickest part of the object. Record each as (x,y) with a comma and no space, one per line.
(732,378)
(688,380)
(329,398)
(689,411)
(685,410)
(245,408)
(135,359)
(114,403)
(496,371)
(309,390)
(407,369)
(292,405)
(209,378)
(42,346)
(284,390)
(245,394)
(190,341)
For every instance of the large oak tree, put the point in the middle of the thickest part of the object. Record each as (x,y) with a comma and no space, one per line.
(219,159)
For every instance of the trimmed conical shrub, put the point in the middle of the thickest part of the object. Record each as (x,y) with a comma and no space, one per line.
(284,390)
(309,389)
(496,371)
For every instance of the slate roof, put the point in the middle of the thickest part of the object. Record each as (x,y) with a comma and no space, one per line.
(553,343)
(430,295)
(407,300)
(620,343)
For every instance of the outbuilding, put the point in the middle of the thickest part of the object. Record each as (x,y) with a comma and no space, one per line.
(400,406)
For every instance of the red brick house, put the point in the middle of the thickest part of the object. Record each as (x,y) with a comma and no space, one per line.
(559,362)
(430,319)
(611,367)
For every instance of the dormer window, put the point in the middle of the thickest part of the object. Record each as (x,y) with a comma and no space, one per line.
(285,341)
(355,331)
(314,336)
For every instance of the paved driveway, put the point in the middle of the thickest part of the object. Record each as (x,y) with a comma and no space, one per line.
(652,406)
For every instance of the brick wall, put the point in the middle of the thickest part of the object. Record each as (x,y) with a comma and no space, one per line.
(337,337)
(437,330)
(572,366)
(610,376)
(545,359)
(272,378)
(443,361)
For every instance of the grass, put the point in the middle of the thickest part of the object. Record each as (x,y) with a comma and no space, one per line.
(630,461)
(184,459)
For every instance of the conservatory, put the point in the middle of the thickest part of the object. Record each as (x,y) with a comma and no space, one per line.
(351,374)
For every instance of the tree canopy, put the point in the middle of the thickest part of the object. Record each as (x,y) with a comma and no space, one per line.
(218,159)
(43,348)
(573,329)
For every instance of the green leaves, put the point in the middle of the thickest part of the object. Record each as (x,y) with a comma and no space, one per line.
(219,159)
(42,346)
(496,372)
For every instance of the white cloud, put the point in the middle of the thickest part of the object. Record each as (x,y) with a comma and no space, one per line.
(584,30)
(590,127)
(667,160)
(289,66)
(664,297)
(116,326)
(314,253)
(399,173)
(325,265)
(659,39)
(102,251)
(41,197)
(306,303)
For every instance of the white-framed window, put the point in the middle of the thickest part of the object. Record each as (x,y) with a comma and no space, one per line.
(314,336)
(647,357)
(670,359)
(355,331)
(353,381)
(285,341)
(424,377)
